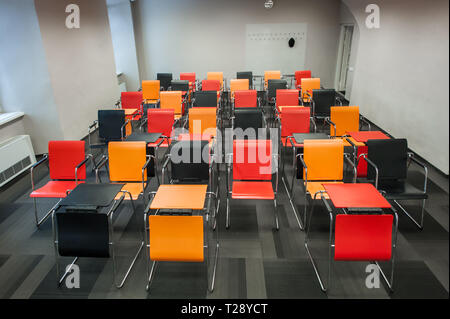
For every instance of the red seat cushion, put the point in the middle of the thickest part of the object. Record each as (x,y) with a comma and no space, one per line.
(131,100)
(288,97)
(252,160)
(295,120)
(54,189)
(210,85)
(245,98)
(160,121)
(252,190)
(63,157)
(363,237)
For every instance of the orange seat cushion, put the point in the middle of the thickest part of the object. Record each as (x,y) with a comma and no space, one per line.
(346,119)
(252,190)
(135,189)
(54,189)
(313,187)
(176,238)
(324,159)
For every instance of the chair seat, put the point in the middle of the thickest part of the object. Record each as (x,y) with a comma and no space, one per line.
(287,143)
(151,101)
(55,189)
(163,144)
(402,190)
(252,190)
(357,144)
(135,189)
(314,187)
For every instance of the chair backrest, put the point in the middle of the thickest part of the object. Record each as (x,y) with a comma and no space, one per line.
(126,160)
(308,85)
(271,75)
(247,98)
(273,86)
(179,85)
(91,231)
(238,84)
(324,99)
(176,238)
(110,123)
(165,79)
(160,121)
(211,85)
(190,76)
(131,100)
(346,119)
(63,157)
(363,237)
(215,76)
(171,100)
(248,118)
(150,89)
(205,99)
(295,120)
(245,75)
(188,161)
(252,159)
(299,75)
(287,97)
(391,158)
(324,159)
(202,119)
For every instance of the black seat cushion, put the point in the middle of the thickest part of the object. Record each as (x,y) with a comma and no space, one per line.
(273,86)
(165,80)
(246,75)
(110,123)
(190,161)
(83,234)
(180,85)
(323,99)
(248,118)
(401,190)
(205,99)
(390,156)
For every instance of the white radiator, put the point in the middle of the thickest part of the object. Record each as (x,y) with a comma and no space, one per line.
(16,155)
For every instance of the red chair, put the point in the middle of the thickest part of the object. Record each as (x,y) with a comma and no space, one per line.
(132,100)
(161,121)
(250,175)
(294,120)
(66,160)
(246,98)
(211,85)
(191,78)
(287,98)
(299,75)
(367,235)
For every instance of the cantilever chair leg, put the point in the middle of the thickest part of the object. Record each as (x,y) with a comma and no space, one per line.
(419,223)
(46,216)
(277,225)
(211,279)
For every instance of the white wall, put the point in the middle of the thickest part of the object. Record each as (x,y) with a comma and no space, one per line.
(205,35)
(80,62)
(24,78)
(402,73)
(122,32)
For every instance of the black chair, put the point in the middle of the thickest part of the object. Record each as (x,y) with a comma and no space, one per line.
(179,85)
(323,100)
(165,80)
(246,75)
(250,118)
(272,87)
(111,125)
(205,99)
(388,162)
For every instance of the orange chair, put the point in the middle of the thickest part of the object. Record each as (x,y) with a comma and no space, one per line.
(172,100)
(323,161)
(128,164)
(250,170)
(238,85)
(203,120)
(216,76)
(67,167)
(150,91)
(271,75)
(307,87)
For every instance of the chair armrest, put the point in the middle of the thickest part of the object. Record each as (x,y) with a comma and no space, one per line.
(118,104)
(363,119)
(122,127)
(100,164)
(327,119)
(42,160)
(164,168)
(144,121)
(415,160)
(364,156)
(83,162)
(305,167)
(314,124)
(355,171)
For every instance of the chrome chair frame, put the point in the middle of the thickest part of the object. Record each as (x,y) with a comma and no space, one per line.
(389,282)
(110,215)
